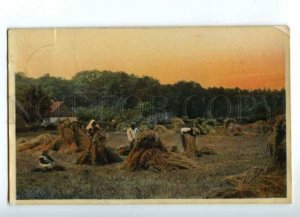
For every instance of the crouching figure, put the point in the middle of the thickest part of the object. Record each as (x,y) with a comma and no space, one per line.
(46,162)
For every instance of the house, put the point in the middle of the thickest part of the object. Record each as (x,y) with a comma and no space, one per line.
(59,112)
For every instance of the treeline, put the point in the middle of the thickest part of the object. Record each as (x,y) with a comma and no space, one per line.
(115,97)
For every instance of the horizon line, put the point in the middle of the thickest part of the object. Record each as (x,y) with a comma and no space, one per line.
(142,76)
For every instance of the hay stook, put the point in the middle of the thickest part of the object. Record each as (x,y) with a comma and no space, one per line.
(149,153)
(98,153)
(189,145)
(41,142)
(232,127)
(276,146)
(74,138)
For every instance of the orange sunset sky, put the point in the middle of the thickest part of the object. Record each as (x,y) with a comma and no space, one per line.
(244,57)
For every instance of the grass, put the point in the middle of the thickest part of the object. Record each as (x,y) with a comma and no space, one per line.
(235,156)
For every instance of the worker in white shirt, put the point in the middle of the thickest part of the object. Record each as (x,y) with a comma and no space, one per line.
(131,134)
(187,130)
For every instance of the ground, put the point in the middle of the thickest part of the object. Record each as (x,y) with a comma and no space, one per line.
(234,155)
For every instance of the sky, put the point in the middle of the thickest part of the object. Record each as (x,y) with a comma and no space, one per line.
(244,57)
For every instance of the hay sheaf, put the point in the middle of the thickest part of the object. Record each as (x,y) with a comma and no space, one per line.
(189,145)
(144,127)
(190,148)
(232,127)
(254,183)
(205,127)
(261,127)
(276,146)
(98,153)
(149,153)
(71,139)
(74,138)
(160,129)
(177,123)
(41,142)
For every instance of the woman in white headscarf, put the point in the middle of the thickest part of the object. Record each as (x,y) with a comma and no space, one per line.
(92,127)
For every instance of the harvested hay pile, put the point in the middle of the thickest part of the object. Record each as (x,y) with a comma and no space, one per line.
(21,140)
(149,153)
(261,127)
(276,146)
(41,142)
(191,151)
(254,183)
(177,123)
(202,129)
(160,129)
(205,127)
(74,138)
(71,139)
(232,127)
(98,153)
(189,145)
(144,127)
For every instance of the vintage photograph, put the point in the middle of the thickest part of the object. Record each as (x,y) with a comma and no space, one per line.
(162,115)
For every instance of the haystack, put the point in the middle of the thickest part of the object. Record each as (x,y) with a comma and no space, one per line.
(253,183)
(74,138)
(189,145)
(144,127)
(276,146)
(149,153)
(232,127)
(98,153)
(21,140)
(262,127)
(43,141)
(177,123)
(71,139)
(160,129)
(202,130)
(205,126)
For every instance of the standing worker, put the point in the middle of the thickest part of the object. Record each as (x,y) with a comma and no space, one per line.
(131,134)
(187,130)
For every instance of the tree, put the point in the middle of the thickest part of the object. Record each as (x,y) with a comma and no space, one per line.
(32,103)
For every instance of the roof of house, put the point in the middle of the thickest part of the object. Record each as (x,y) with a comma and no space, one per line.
(55,105)
(59,109)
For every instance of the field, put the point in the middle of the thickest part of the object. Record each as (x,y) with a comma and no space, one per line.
(235,158)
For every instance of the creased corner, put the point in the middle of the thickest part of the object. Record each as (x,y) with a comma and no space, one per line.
(284,28)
